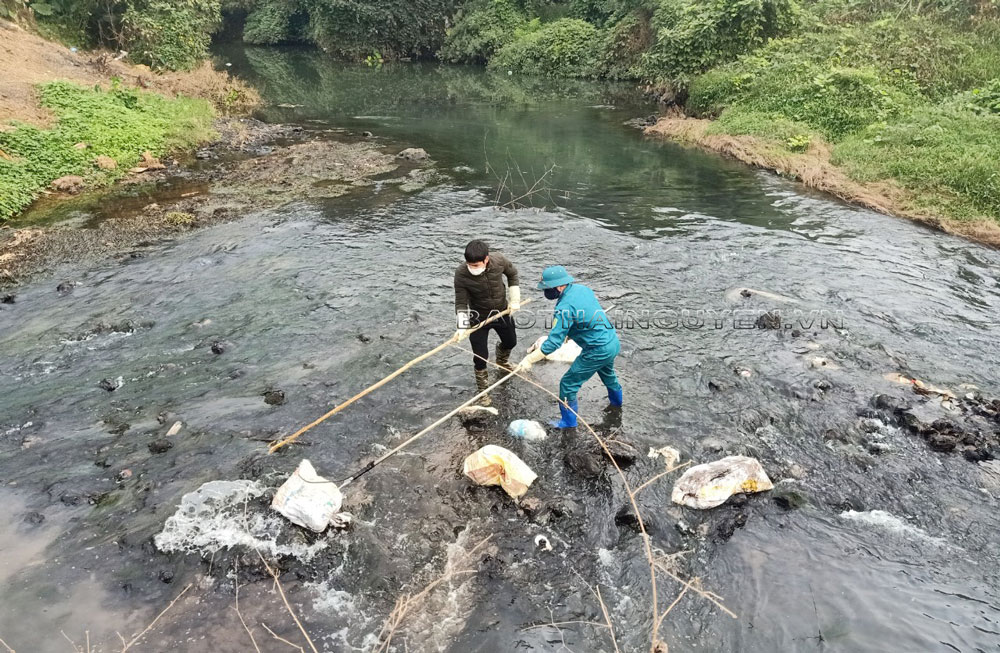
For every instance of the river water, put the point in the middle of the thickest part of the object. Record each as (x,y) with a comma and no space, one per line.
(873,542)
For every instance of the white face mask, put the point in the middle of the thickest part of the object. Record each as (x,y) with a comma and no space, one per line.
(476,271)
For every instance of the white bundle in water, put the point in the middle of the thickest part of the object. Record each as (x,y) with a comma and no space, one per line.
(309,500)
(493,465)
(565,354)
(709,485)
(526,429)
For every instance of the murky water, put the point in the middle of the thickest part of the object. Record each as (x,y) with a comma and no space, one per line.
(894,548)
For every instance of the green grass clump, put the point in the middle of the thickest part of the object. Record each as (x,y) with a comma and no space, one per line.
(794,136)
(564,48)
(120,123)
(947,155)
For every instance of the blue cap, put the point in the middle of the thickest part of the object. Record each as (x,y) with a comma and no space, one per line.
(553,277)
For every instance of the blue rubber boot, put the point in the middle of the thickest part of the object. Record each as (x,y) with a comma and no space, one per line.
(568,420)
(615,397)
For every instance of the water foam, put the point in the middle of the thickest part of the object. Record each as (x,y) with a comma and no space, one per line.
(887,521)
(216,516)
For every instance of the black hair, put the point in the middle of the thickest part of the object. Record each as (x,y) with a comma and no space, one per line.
(476,251)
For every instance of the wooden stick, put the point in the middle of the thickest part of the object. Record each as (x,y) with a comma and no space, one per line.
(127,646)
(375,386)
(427,429)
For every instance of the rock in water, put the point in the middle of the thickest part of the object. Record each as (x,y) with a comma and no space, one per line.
(160,445)
(413,154)
(711,484)
(274,397)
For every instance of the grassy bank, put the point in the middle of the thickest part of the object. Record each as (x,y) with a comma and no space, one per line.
(119,124)
(911,102)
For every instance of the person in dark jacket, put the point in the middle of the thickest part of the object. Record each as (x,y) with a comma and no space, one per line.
(479,294)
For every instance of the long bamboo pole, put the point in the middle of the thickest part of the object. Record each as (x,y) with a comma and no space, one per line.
(426,430)
(455,339)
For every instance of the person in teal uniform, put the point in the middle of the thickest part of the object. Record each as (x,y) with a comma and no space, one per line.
(577,316)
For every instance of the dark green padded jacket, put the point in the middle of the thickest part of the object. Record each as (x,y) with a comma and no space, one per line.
(487,292)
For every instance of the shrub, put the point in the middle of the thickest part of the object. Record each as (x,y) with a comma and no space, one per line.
(985,99)
(624,44)
(483,28)
(395,28)
(172,35)
(119,123)
(833,100)
(269,23)
(566,47)
(694,35)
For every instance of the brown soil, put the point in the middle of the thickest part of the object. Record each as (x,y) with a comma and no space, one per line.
(813,168)
(28,60)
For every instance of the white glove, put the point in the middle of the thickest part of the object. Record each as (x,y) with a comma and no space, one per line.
(461,334)
(530,359)
(465,320)
(514,298)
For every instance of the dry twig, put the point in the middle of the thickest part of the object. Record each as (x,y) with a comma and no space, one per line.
(236,582)
(127,646)
(282,639)
(9,649)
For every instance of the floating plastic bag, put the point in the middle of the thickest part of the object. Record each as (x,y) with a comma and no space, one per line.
(493,465)
(308,499)
(709,485)
(565,354)
(526,429)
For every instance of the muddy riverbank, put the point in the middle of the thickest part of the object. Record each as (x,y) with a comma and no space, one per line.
(253,166)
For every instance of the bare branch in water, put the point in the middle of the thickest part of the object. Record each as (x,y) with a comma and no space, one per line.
(127,646)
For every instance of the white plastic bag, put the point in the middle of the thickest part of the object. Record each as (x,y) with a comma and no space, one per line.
(565,354)
(526,429)
(493,465)
(308,499)
(709,485)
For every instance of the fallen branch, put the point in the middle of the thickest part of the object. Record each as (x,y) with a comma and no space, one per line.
(282,639)
(405,602)
(135,639)
(9,649)
(288,606)
(236,582)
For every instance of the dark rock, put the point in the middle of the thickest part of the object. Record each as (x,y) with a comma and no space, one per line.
(160,445)
(943,442)
(626,518)
(789,496)
(585,463)
(363,338)
(769,320)
(218,348)
(745,293)
(625,454)
(890,403)
(65,288)
(166,576)
(8,299)
(109,384)
(274,397)
(367,134)
(796,333)
(34,518)
(531,505)
(71,499)
(103,463)
(822,384)
(728,526)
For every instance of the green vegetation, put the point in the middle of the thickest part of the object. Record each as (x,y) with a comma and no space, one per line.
(906,91)
(906,98)
(564,48)
(119,123)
